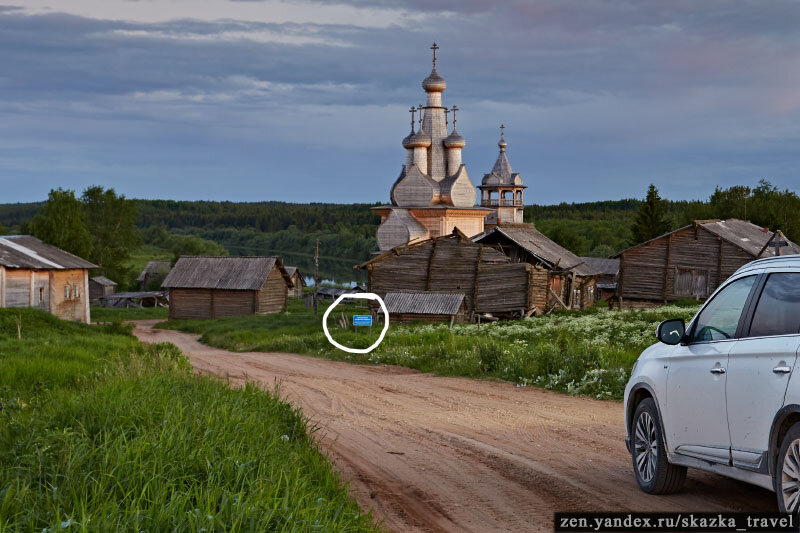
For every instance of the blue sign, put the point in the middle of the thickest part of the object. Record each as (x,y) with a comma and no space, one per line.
(362,320)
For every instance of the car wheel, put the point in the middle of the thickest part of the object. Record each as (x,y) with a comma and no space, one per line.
(787,476)
(654,473)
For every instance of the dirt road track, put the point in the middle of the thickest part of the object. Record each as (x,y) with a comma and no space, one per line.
(431,453)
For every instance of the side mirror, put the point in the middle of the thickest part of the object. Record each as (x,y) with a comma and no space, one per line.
(671,331)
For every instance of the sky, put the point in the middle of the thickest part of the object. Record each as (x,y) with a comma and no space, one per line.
(251,100)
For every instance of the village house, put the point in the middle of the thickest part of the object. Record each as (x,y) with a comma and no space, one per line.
(297,282)
(100,287)
(38,275)
(489,281)
(153,274)
(213,287)
(606,270)
(692,261)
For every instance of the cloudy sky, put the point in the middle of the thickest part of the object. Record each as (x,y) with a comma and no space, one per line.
(307,101)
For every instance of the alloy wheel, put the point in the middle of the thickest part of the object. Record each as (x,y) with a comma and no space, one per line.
(790,477)
(646,447)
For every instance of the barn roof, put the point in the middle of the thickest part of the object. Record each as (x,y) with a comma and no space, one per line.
(538,245)
(28,252)
(102,280)
(154,267)
(294,270)
(602,265)
(423,303)
(741,233)
(223,272)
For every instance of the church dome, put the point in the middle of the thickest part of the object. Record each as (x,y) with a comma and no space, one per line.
(434,83)
(454,140)
(407,140)
(502,143)
(418,140)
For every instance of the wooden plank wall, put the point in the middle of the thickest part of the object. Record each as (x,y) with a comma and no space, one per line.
(273,296)
(189,303)
(232,303)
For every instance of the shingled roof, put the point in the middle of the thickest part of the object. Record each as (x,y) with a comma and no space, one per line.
(742,233)
(102,280)
(423,303)
(28,252)
(602,265)
(154,267)
(538,245)
(223,272)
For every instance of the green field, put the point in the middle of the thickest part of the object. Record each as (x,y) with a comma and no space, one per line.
(101,433)
(589,352)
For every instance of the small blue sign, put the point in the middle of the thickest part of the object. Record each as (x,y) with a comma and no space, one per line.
(362,320)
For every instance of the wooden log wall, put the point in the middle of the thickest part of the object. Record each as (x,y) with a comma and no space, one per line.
(273,296)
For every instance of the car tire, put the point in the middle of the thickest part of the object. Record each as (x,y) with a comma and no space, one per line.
(788,471)
(653,471)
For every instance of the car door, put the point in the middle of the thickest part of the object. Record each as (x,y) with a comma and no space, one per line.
(759,367)
(696,417)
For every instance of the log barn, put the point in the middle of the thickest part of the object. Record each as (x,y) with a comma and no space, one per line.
(691,261)
(570,282)
(100,287)
(213,287)
(38,275)
(489,281)
(606,271)
(297,282)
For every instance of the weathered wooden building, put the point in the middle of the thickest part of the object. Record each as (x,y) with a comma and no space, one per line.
(489,281)
(100,287)
(297,282)
(212,287)
(569,282)
(606,270)
(690,262)
(153,274)
(35,274)
(411,306)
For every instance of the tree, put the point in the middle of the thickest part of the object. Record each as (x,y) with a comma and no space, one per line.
(111,222)
(3,229)
(62,223)
(651,220)
(194,245)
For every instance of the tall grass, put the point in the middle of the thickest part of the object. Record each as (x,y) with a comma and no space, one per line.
(112,314)
(589,352)
(101,433)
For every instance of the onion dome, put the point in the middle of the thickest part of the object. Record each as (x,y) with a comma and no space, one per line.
(418,140)
(454,140)
(407,140)
(434,83)
(502,143)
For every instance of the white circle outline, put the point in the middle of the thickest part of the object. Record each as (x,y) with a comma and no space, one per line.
(363,296)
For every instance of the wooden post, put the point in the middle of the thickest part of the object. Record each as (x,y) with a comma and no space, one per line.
(316,277)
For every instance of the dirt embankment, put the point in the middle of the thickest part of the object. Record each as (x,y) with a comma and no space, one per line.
(430,453)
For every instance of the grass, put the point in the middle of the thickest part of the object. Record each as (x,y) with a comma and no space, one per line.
(112,314)
(101,433)
(589,352)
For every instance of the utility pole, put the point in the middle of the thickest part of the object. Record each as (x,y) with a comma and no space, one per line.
(316,277)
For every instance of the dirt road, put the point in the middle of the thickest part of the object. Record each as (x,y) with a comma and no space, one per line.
(450,454)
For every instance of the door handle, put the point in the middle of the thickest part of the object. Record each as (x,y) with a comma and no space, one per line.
(717,370)
(782,369)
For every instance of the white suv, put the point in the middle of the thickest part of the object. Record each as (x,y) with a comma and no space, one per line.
(720,395)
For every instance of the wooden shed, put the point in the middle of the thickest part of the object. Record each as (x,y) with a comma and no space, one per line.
(213,287)
(411,306)
(153,274)
(606,270)
(35,274)
(297,282)
(692,261)
(100,287)
(489,281)
(570,282)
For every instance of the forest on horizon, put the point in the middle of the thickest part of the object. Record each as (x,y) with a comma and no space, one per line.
(347,231)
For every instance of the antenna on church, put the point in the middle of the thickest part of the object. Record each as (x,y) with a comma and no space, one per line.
(434,48)
(455,108)
(412,110)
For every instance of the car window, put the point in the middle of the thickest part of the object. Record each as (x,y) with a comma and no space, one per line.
(778,309)
(720,318)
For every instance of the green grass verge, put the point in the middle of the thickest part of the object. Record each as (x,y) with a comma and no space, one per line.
(589,352)
(111,314)
(101,433)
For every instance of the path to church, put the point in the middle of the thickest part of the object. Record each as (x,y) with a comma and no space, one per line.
(432,453)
